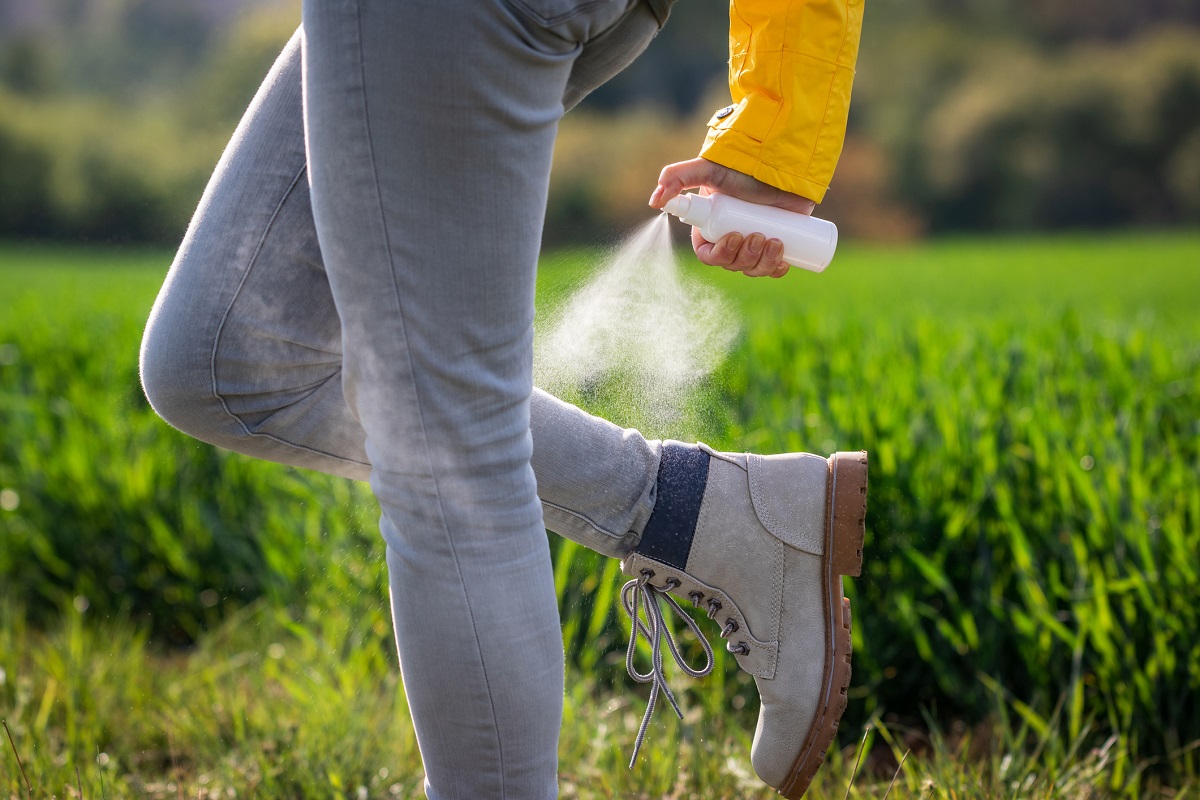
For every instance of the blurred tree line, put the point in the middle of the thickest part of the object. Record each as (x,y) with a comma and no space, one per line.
(968,115)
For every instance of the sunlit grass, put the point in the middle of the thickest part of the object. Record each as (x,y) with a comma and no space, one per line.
(267,706)
(1032,407)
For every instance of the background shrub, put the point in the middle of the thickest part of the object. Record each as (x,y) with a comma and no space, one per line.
(1096,135)
(967,116)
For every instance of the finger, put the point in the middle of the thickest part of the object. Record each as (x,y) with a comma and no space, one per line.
(758,271)
(677,177)
(656,198)
(774,250)
(726,249)
(704,249)
(721,253)
(749,257)
(773,258)
(769,262)
(707,253)
(779,273)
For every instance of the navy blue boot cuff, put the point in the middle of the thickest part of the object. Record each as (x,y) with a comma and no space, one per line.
(682,475)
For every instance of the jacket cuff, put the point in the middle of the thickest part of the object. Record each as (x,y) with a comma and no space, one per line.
(739,152)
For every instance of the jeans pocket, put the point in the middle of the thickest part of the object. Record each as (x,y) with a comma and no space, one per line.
(575,21)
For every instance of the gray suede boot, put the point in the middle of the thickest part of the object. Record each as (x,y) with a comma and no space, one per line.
(761,543)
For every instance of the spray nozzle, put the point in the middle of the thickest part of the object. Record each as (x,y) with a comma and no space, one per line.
(690,208)
(677,205)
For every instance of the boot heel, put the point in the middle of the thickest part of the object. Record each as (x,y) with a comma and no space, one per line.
(848,509)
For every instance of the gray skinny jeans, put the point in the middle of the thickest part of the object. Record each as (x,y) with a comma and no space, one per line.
(355,295)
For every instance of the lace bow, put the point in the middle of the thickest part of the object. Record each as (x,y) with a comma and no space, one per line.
(640,592)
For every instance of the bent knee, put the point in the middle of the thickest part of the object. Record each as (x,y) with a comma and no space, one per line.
(176,373)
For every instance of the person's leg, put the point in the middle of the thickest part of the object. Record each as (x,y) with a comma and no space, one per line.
(244,351)
(243,348)
(430,128)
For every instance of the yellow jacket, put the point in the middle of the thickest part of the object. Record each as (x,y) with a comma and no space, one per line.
(791,67)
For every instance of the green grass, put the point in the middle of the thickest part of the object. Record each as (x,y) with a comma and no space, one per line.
(1032,407)
(1124,279)
(268,706)
(1033,412)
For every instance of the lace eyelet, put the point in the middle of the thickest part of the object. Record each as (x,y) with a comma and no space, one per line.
(672,583)
(731,626)
(696,598)
(714,606)
(740,649)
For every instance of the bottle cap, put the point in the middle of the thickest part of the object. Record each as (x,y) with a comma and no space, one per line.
(678,205)
(692,208)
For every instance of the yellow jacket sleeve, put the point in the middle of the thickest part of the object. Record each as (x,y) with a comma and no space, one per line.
(791,67)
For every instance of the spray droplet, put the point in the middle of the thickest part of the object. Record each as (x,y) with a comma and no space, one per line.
(638,326)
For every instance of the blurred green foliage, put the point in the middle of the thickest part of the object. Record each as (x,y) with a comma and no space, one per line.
(1033,420)
(112,155)
(114,507)
(1084,135)
(85,168)
(967,116)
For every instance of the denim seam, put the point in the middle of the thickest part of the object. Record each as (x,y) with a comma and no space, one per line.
(212,362)
(586,519)
(557,19)
(362,76)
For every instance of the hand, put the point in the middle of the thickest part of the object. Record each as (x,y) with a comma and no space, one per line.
(753,255)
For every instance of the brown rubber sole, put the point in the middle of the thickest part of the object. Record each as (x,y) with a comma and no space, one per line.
(845,527)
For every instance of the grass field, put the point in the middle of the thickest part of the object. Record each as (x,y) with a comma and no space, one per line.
(1032,407)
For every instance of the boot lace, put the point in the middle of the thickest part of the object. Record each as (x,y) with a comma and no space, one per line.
(640,593)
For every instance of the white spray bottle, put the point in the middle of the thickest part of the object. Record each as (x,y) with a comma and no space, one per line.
(808,242)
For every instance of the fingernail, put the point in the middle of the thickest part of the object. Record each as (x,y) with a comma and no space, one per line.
(657,193)
(755,243)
